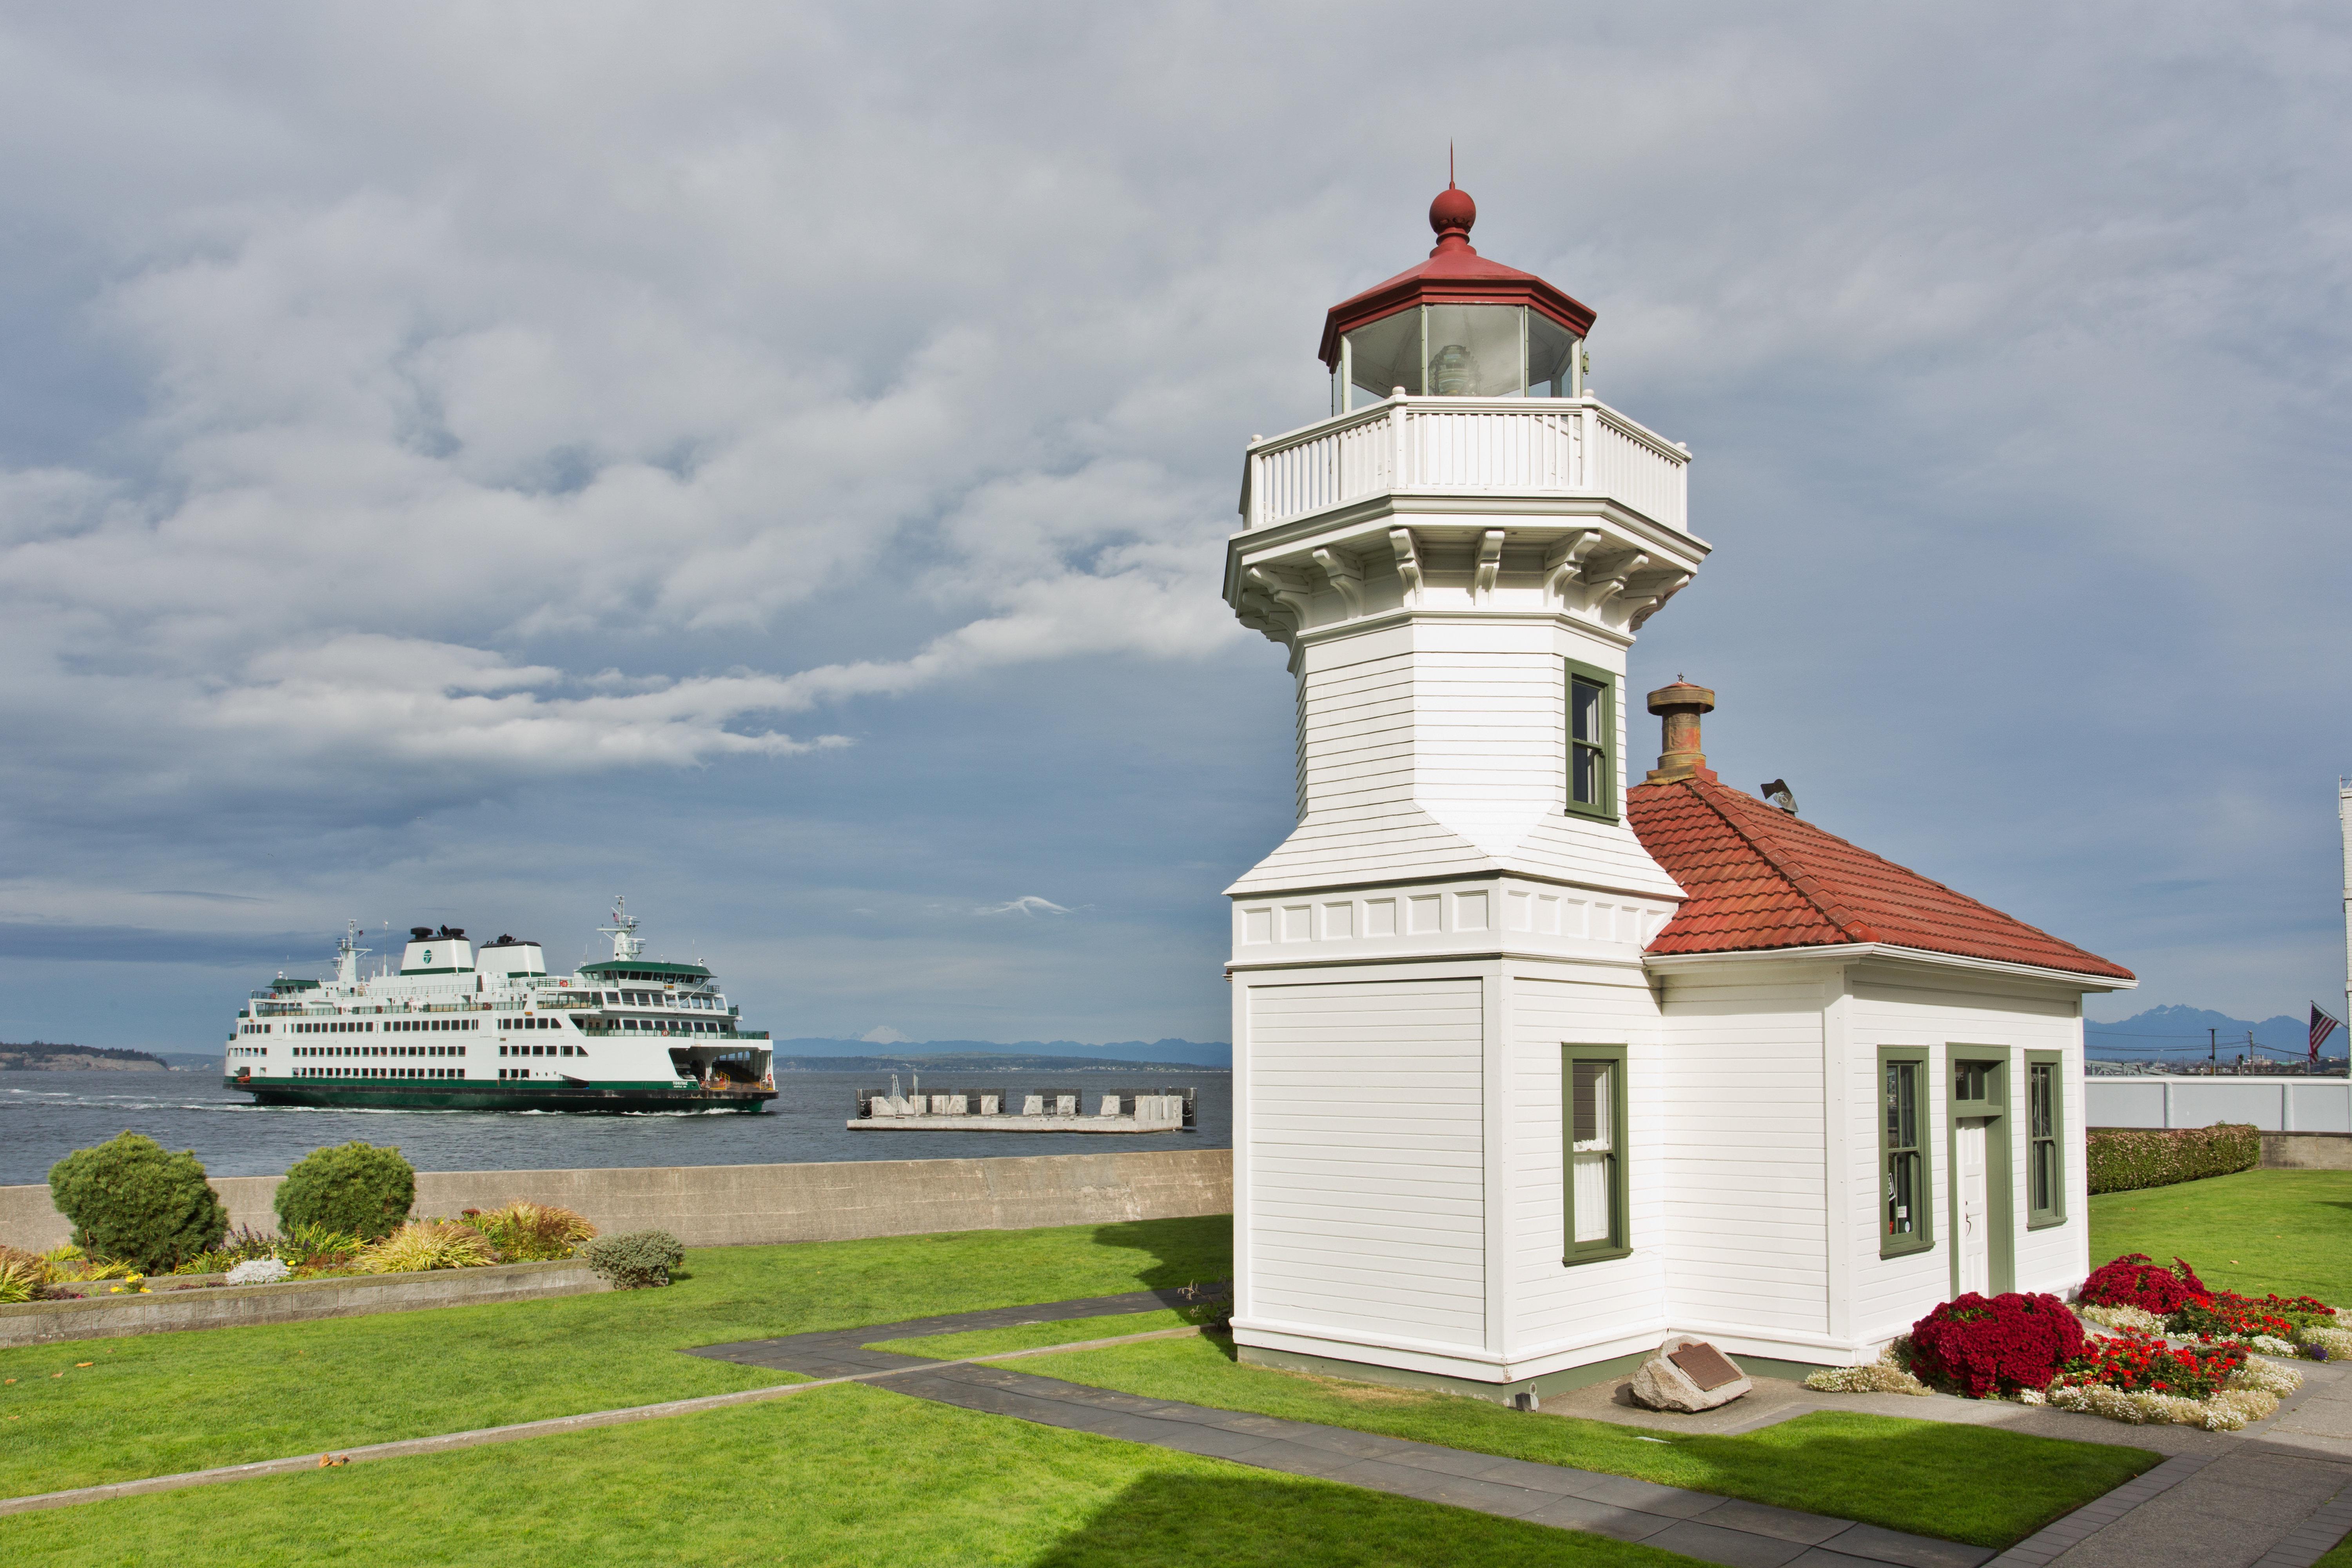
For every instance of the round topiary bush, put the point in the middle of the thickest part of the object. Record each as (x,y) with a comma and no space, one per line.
(356,1189)
(2132,1280)
(129,1199)
(1988,1345)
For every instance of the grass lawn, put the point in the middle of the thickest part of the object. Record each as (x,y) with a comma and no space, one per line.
(157,1404)
(2258,1231)
(1963,1483)
(1030,1336)
(840,1475)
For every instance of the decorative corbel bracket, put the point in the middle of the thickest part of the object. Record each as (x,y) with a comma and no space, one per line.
(1564,559)
(1653,598)
(1408,563)
(1345,575)
(1605,581)
(1490,563)
(1286,586)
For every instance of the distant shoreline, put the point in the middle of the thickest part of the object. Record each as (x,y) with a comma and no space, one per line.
(44,1055)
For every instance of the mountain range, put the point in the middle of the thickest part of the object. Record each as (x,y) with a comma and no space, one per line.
(2186,1034)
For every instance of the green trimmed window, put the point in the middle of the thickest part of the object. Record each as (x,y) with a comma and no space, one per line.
(2046,1161)
(1591,741)
(1906,1177)
(1593,1078)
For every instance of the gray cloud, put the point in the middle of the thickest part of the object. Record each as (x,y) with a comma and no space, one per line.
(474,425)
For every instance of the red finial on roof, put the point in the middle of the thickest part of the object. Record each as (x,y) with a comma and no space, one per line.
(1453,213)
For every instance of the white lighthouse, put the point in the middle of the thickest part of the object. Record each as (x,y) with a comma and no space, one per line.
(1486,1134)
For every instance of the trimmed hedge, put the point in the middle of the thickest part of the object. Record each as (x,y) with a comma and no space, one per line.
(355,1188)
(2125,1159)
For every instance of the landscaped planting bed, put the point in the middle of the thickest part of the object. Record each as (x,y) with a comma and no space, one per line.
(2166,1348)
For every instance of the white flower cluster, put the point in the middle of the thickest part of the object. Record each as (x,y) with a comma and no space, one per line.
(1886,1377)
(2336,1343)
(2129,1319)
(2270,1344)
(2253,1392)
(258,1271)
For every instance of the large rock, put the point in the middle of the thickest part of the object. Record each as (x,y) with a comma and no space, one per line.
(1661,1384)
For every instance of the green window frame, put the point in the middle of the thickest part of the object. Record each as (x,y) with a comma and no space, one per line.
(1907,1175)
(1591,741)
(1594,1153)
(2045,1139)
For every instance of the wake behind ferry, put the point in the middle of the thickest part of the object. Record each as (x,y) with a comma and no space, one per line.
(461,1028)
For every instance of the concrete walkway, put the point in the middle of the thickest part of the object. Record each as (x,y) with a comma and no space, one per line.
(1697,1524)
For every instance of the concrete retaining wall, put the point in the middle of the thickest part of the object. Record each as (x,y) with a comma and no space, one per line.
(294,1301)
(722,1206)
(2307,1151)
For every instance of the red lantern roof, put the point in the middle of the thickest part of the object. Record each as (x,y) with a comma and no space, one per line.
(1454,273)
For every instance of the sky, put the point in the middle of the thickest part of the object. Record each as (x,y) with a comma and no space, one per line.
(459,462)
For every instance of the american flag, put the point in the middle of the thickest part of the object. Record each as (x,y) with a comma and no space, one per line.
(2321,1026)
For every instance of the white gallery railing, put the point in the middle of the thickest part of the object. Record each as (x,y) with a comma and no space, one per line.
(1503,444)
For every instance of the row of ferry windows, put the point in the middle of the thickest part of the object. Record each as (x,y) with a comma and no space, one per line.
(379,1050)
(379,1072)
(528,1021)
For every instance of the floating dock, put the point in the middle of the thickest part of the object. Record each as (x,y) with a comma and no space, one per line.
(1052,1111)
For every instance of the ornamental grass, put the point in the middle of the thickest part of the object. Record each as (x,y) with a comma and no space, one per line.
(428,1244)
(526,1232)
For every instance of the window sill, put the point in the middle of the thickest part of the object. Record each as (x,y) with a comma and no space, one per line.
(1908,1249)
(1589,813)
(2046,1222)
(1599,1255)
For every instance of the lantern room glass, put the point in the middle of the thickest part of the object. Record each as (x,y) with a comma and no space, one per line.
(1456,350)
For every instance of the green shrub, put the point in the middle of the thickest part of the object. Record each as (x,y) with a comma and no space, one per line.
(129,1199)
(2125,1159)
(355,1188)
(636,1259)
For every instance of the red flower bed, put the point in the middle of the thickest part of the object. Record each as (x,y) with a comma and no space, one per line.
(1997,1344)
(2134,1362)
(2134,1281)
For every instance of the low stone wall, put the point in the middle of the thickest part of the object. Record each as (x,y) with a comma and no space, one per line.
(294,1301)
(724,1205)
(2307,1151)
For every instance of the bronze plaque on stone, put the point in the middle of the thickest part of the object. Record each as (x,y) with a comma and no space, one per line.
(1705,1366)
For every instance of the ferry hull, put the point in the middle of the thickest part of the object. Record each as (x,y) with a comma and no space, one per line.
(496,1095)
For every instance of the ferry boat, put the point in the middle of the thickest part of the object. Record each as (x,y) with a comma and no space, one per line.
(461,1027)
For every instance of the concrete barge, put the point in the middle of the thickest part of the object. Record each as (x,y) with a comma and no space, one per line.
(992,1111)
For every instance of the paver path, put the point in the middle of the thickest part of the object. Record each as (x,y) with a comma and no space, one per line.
(1697,1524)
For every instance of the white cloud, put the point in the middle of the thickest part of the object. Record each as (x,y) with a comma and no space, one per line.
(1030,905)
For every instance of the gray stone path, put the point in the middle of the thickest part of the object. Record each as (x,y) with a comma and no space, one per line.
(1697,1524)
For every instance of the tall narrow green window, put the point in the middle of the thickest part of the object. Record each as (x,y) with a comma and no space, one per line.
(1591,740)
(2045,1160)
(1905,1176)
(1592,1080)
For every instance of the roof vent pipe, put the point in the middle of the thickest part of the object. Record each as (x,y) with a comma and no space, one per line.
(1680,705)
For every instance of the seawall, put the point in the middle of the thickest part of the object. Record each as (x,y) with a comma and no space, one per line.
(726,1206)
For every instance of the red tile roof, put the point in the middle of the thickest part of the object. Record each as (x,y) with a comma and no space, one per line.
(1760,879)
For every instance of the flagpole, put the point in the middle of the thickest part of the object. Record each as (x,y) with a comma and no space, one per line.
(2344,821)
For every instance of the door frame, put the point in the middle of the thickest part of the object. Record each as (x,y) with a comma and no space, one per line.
(1993,1109)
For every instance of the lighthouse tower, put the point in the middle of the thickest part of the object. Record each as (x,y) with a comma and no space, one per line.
(1445,1039)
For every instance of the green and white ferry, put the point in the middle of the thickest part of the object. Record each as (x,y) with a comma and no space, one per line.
(461,1027)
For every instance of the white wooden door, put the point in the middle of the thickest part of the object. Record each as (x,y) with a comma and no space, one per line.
(1974,1239)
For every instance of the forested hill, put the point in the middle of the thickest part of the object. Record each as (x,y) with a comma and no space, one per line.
(47,1056)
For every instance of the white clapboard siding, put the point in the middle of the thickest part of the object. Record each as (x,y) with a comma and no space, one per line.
(1428,756)
(1548,1303)
(1745,1226)
(1365,1154)
(1890,1294)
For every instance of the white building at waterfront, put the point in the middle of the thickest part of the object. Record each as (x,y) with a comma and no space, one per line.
(1535,1063)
